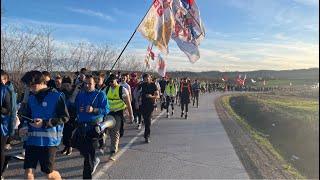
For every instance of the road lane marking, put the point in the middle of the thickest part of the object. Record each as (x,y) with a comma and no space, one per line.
(104,169)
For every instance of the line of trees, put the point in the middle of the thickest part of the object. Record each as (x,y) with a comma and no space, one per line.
(24,49)
(32,49)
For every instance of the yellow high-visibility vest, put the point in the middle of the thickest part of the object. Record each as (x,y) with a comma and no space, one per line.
(171,90)
(115,102)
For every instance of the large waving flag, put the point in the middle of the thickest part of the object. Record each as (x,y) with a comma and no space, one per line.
(188,28)
(158,24)
(161,66)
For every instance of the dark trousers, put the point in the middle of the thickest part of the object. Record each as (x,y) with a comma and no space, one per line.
(67,133)
(3,143)
(87,150)
(196,98)
(121,128)
(184,106)
(147,114)
(169,101)
(139,115)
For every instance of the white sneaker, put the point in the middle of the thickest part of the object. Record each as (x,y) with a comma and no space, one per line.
(20,156)
(139,126)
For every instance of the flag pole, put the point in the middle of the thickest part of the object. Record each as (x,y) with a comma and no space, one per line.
(130,38)
(124,49)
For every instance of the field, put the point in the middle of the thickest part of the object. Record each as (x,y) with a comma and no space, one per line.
(287,125)
(286,82)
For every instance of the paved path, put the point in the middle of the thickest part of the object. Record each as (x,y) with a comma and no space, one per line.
(197,147)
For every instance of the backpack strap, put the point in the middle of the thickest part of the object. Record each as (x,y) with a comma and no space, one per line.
(120,92)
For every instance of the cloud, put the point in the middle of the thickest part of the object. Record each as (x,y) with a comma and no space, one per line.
(274,14)
(124,13)
(280,36)
(92,13)
(70,32)
(228,55)
(29,23)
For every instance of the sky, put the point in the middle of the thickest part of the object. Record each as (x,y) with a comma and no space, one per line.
(241,35)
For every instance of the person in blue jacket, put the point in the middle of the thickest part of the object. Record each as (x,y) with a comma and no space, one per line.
(91,107)
(8,113)
(44,116)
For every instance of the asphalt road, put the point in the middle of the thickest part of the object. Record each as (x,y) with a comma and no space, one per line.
(197,147)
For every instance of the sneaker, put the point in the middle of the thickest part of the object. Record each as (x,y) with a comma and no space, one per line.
(20,156)
(64,151)
(147,140)
(112,156)
(95,164)
(139,126)
(69,151)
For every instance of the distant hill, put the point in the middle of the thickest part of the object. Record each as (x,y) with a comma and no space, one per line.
(310,74)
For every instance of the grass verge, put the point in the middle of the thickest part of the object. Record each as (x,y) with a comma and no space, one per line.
(259,138)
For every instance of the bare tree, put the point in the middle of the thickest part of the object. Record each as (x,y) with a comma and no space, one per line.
(46,49)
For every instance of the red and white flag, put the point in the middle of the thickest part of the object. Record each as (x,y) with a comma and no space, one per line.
(161,66)
(150,52)
(188,28)
(240,81)
(158,24)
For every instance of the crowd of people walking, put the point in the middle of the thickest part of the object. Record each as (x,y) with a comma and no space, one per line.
(68,110)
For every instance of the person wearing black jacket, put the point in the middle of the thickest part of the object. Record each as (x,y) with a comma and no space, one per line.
(163,83)
(149,94)
(67,90)
(185,94)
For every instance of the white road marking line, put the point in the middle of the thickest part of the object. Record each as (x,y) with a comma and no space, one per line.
(103,170)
